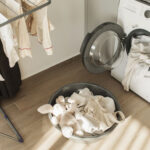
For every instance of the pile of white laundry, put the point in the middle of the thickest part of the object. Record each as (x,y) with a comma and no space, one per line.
(83,113)
(138,60)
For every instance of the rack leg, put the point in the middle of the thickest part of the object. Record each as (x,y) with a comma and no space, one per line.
(19,137)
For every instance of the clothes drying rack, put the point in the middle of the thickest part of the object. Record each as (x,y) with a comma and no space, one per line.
(10,20)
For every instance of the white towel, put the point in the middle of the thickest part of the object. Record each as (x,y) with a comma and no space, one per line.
(138,60)
(6,36)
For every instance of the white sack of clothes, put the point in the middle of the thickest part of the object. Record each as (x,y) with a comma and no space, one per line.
(9,45)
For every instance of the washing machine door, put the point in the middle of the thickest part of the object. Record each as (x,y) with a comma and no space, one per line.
(102,48)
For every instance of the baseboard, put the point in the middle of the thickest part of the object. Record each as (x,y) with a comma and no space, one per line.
(75,58)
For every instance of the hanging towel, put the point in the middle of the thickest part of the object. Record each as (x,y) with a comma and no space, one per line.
(6,36)
(21,36)
(12,76)
(138,60)
(39,25)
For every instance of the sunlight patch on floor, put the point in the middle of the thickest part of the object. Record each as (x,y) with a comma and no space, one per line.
(129,135)
(47,141)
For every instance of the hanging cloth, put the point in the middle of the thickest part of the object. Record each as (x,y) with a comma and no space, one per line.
(21,36)
(38,24)
(6,36)
(12,76)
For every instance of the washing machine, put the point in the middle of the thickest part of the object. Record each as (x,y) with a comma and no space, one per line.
(108,45)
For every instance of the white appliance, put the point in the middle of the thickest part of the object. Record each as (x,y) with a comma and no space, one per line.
(107,46)
(131,15)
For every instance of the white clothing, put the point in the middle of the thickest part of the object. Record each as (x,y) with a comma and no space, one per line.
(39,25)
(9,45)
(138,58)
(19,27)
(6,36)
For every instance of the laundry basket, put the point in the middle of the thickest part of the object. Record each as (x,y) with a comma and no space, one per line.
(67,91)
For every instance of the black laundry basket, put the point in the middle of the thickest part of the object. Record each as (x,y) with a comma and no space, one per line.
(67,90)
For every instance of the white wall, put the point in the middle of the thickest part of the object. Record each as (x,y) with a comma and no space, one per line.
(71,21)
(68,18)
(99,11)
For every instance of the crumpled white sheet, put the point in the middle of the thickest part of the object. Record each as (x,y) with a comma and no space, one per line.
(83,113)
(138,60)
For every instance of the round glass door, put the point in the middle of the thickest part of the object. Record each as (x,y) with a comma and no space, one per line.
(103,50)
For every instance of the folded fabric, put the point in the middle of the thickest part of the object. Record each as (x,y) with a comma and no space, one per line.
(38,24)
(138,60)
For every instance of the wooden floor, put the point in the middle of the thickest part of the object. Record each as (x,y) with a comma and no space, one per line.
(38,133)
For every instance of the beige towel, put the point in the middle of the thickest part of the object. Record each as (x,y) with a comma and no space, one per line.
(6,36)
(39,25)
(21,36)
(138,58)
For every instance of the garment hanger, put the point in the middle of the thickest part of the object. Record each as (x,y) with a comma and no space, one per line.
(27,12)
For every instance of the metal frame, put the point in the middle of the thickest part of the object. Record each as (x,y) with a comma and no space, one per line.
(18,136)
(26,13)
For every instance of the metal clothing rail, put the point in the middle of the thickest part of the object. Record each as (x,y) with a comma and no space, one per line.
(19,137)
(37,7)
